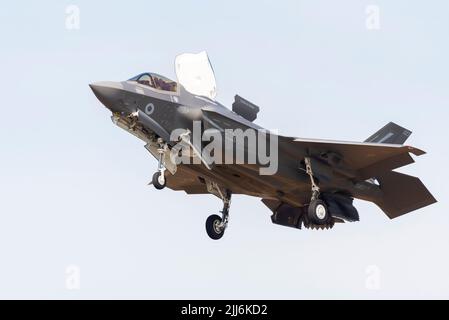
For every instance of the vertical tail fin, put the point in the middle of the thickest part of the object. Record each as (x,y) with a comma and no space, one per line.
(390,133)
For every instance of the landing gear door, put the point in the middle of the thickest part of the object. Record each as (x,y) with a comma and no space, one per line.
(168,164)
(195,74)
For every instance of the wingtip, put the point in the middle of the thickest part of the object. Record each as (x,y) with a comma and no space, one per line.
(415,151)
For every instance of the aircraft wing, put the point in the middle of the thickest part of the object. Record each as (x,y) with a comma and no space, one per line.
(357,159)
(360,160)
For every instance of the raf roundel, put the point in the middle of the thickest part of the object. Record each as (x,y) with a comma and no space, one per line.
(149,108)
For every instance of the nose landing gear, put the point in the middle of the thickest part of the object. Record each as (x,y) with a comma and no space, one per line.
(159,181)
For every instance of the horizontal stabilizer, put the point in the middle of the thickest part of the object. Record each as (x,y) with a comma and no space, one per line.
(391,133)
(402,194)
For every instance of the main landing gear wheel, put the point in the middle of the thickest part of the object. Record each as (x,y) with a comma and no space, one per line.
(159,181)
(318,212)
(214,227)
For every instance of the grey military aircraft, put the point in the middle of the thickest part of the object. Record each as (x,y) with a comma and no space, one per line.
(315,181)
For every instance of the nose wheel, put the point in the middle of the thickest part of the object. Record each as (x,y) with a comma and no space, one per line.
(159,181)
(216,225)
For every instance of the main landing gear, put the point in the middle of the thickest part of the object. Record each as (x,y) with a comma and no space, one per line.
(216,225)
(159,181)
(317,210)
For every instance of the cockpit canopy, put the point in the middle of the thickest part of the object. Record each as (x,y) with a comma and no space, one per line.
(156,81)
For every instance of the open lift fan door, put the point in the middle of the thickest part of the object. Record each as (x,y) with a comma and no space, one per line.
(195,74)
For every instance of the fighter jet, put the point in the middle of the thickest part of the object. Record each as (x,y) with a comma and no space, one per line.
(314,182)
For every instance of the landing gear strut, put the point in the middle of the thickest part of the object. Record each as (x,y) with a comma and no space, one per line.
(317,211)
(216,225)
(159,181)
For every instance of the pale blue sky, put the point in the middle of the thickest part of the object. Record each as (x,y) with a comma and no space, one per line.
(74,185)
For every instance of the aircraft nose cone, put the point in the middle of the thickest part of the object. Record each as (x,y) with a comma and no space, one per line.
(95,87)
(108,93)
